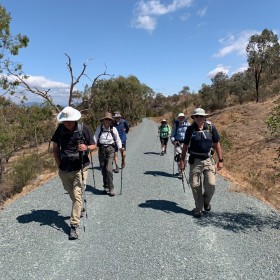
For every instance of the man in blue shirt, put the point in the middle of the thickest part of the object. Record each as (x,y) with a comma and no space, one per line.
(177,138)
(123,127)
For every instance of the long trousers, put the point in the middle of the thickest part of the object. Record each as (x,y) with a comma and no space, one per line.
(72,183)
(208,170)
(106,159)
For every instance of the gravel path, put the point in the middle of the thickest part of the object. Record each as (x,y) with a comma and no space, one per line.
(148,232)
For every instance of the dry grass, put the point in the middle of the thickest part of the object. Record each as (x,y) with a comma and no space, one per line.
(248,165)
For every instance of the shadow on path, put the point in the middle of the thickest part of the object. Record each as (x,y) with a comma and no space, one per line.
(151,153)
(165,206)
(158,173)
(240,222)
(94,190)
(46,218)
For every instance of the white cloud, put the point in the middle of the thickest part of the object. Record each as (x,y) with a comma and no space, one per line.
(242,68)
(219,68)
(202,12)
(235,43)
(147,12)
(185,17)
(57,90)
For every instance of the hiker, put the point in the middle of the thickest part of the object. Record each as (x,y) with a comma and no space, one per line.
(177,138)
(200,137)
(107,138)
(122,127)
(72,141)
(164,132)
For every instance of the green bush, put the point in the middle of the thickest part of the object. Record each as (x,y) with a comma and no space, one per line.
(25,170)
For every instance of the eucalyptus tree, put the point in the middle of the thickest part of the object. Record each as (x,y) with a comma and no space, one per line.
(263,51)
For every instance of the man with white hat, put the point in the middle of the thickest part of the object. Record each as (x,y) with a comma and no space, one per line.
(200,137)
(71,143)
(177,138)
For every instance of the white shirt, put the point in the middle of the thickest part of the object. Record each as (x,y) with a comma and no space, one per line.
(106,137)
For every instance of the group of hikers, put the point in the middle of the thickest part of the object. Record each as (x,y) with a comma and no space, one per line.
(73,142)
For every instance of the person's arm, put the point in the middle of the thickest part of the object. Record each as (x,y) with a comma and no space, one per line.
(117,138)
(126,127)
(56,154)
(218,149)
(89,144)
(172,138)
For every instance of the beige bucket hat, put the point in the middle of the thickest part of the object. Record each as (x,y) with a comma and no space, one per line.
(107,116)
(198,112)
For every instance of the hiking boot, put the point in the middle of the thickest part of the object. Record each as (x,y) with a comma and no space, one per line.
(180,176)
(73,232)
(123,163)
(82,213)
(162,153)
(197,214)
(112,192)
(117,170)
(207,207)
(165,151)
(106,190)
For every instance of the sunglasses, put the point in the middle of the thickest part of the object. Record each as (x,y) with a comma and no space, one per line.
(199,116)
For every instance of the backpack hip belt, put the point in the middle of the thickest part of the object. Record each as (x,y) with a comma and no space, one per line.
(69,155)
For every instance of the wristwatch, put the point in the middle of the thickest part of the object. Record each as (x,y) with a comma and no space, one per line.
(221,160)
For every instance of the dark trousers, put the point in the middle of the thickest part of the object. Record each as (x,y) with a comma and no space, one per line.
(106,159)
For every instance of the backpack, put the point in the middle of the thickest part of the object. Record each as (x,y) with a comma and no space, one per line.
(112,133)
(78,133)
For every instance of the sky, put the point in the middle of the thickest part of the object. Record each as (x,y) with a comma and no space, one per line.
(166,44)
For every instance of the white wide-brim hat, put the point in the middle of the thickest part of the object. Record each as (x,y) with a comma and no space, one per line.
(68,114)
(181,115)
(198,112)
(164,120)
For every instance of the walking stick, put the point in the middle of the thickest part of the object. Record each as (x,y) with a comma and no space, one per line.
(84,201)
(93,177)
(121,181)
(183,183)
(174,159)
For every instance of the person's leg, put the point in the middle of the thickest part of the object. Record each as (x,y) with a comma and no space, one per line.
(109,169)
(209,183)
(179,151)
(103,163)
(196,185)
(116,160)
(165,145)
(162,146)
(123,154)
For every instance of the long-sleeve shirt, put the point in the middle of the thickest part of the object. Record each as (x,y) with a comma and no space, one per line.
(179,130)
(106,137)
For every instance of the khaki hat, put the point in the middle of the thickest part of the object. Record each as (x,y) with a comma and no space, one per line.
(117,115)
(181,115)
(68,114)
(107,116)
(198,112)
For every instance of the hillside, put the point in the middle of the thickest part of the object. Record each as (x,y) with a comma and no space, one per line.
(250,162)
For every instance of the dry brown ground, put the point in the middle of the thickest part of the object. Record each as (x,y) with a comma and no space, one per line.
(249,163)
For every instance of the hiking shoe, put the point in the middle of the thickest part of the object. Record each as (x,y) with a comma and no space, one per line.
(82,213)
(112,192)
(162,153)
(73,232)
(197,214)
(165,151)
(117,170)
(123,163)
(106,190)
(207,207)
(180,176)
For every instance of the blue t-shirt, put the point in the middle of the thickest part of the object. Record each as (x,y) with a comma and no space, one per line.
(122,128)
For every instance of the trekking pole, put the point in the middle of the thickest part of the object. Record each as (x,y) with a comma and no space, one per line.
(84,201)
(174,159)
(183,183)
(121,181)
(93,177)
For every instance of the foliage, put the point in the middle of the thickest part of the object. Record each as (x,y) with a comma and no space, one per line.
(9,46)
(263,53)
(225,141)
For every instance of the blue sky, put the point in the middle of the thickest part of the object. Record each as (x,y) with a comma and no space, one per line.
(166,44)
